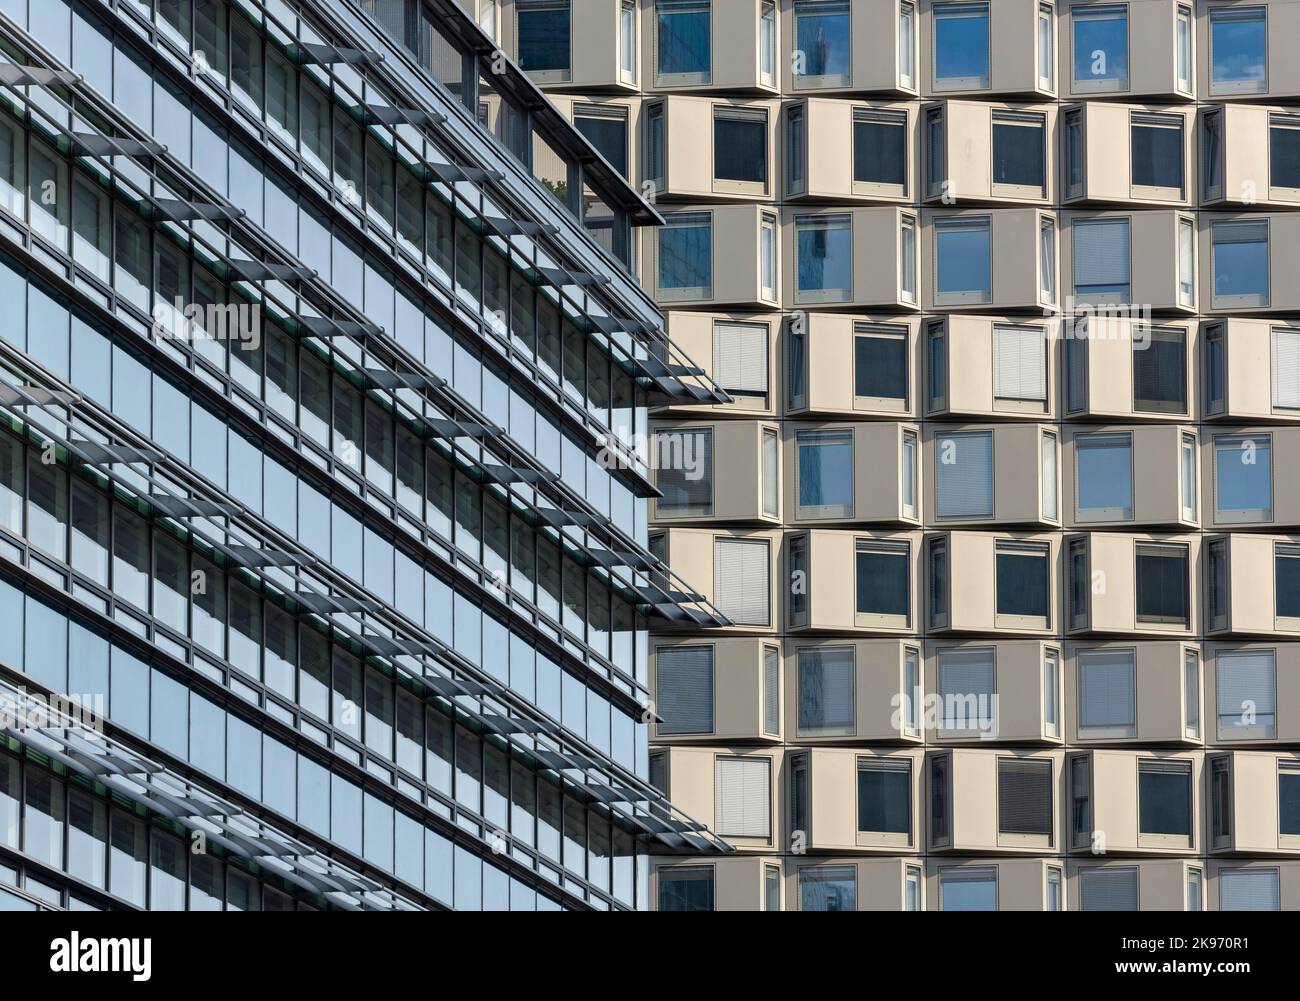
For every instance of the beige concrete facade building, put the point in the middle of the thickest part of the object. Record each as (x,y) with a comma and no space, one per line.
(1005,509)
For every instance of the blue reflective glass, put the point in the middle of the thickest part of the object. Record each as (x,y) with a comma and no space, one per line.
(684,37)
(822,36)
(543,36)
(962,260)
(826,473)
(1241,268)
(825,255)
(686,255)
(961,46)
(1238,46)
(1100,47)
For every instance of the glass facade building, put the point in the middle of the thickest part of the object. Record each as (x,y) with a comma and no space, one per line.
(324,565)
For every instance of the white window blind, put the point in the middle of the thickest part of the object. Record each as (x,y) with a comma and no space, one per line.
(740,357)
(1020,363)
(964,467)
(1108,889)
(1248,890)
(1101,252)
(1107,694)
(743,795)
(1049,475)
(771,691)
(740,580)
(685,689)
(1286,367)
(966,688)
(1246,679)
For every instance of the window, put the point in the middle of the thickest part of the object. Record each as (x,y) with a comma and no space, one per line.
(961,46)
(627,41)
(1286,368)
(826,691)
(1192,694)
(1019,154)
(686,256)
(963,267)
(742,797)
(1156,152)
(543,30)
(824,255)
(1075,335)
(828,888)
(1216,584)
(655,144)
(686,888)
(885,799)
(740,150)
(936,164)
(1165,804)
(1108,889)
(1101,260)
(1195,890)
(799,580)
(740,361)
(1284,156)
(1020,365)
(1246,681)
(684,689)
(907,259)
(605,127)
(940,793)
(1186,263)
(798,150)
(1243,478)
(767,49)
(883,588)
(1047,260)
(963,474)
(938,559)
(912,889)
(1288,803)
(912,692)
(1052,693)
(771,888)
(1055,890)
(1238,50)
(1212,153)
(879,152)
(937,365)
(1023,592)
(1239,260)
(740,580)
(1162,585)
(1107,694)
(683,40)
(1046,48)
(771,475)
(1215,376)
(821,43)
(973,888)
(1025,801)
(1048,473)
(1081,799)
(909,485)
(906,45)
(767,259)
(1286,583)
(1183,41)
(684,471)
(799,794)
(771,691)
(880,368)
(1100,47)
(825,473)
(967,690)
(1077,580)
(1073,153)
(1249,890)
(1160,371)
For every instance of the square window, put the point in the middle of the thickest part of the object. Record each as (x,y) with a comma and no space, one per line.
(1025,802)
(1023,589)
(967,692)
(883,588)
(686,256)
(1101,260)
(1156,155)
(1107,694)
(973,888)
(1165,803)
(964,474)
(684,471)
(1249,890)
(1246,694)
(825,460)
(684,689)
(821,43)
(686,888)
(1020,364)
(543,28)
(1162,585)
(828,888)
(1238,50)
(961,46)
(1160,371)
(605,127)
(824,249)
(879,152)
(1100,47)
(740,360)
(743,797)
(683,42)
(740,150)
(963,263)
(826,691)
(1239,252)
(885,799)
(740,580)
(1019,154)
(880,369)
(1243,479)
(1108,888)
